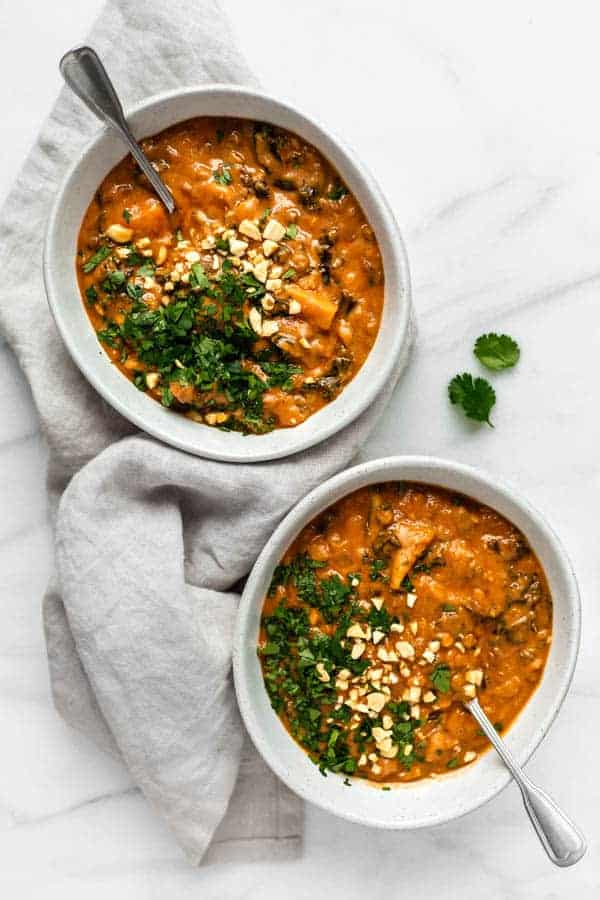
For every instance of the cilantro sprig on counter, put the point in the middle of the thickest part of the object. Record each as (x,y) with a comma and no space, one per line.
(475,395)
(496,351)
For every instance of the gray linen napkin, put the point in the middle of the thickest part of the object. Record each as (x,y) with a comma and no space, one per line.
(150,540)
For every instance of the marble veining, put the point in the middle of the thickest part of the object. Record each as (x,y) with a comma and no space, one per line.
(479,124)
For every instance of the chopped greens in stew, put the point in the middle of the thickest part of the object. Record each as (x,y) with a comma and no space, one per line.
(389,611)
(257,301)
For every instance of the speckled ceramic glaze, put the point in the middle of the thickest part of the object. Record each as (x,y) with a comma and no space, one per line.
(72,321)
(427,802)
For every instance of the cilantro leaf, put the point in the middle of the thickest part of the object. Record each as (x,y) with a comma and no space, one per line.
(496,351)
(377,568)
(223,175)
(291,231)
(95,260)
(114,281)
(146,270)
(475,395)
(198,278)
(134,291)
(110,335)
(166,396)
(440,678)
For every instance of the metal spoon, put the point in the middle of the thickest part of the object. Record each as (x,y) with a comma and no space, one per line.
(86,76)
(560,838)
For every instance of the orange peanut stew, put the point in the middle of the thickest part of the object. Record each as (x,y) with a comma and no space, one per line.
(389,611)
(258,300)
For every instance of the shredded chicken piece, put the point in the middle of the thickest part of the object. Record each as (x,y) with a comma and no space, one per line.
(413,539)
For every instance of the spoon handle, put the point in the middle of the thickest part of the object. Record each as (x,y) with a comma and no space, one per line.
(560,838)
(83,71)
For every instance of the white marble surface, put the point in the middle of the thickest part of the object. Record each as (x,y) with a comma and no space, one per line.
(480,122)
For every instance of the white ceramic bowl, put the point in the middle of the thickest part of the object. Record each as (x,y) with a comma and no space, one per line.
(73,198)
(427,802)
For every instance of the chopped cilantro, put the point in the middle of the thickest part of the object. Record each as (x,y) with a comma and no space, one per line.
(291,231)
(133,257)
(201,339)
(280,374)
(95,260)
(291,273)
(127,215)
(110,335)
(113,281)
(222,175)
(198,278)
(329,595)
(134,291)
(403,731)
(146,270)
(377,568)
(440,678)
(452,763)
(291,656)
(380,619)
(301,567)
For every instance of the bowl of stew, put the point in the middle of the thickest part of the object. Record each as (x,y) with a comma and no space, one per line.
(259,318)
(390,596)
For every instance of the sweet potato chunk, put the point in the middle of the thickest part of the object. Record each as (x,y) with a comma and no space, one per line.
(316,308)
(149,218)
(183,393)
(413,540)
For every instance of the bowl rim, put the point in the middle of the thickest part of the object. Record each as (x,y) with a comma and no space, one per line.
(340,485)
(331,419)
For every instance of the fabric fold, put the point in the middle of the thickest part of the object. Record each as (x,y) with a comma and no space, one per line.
(150,542)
